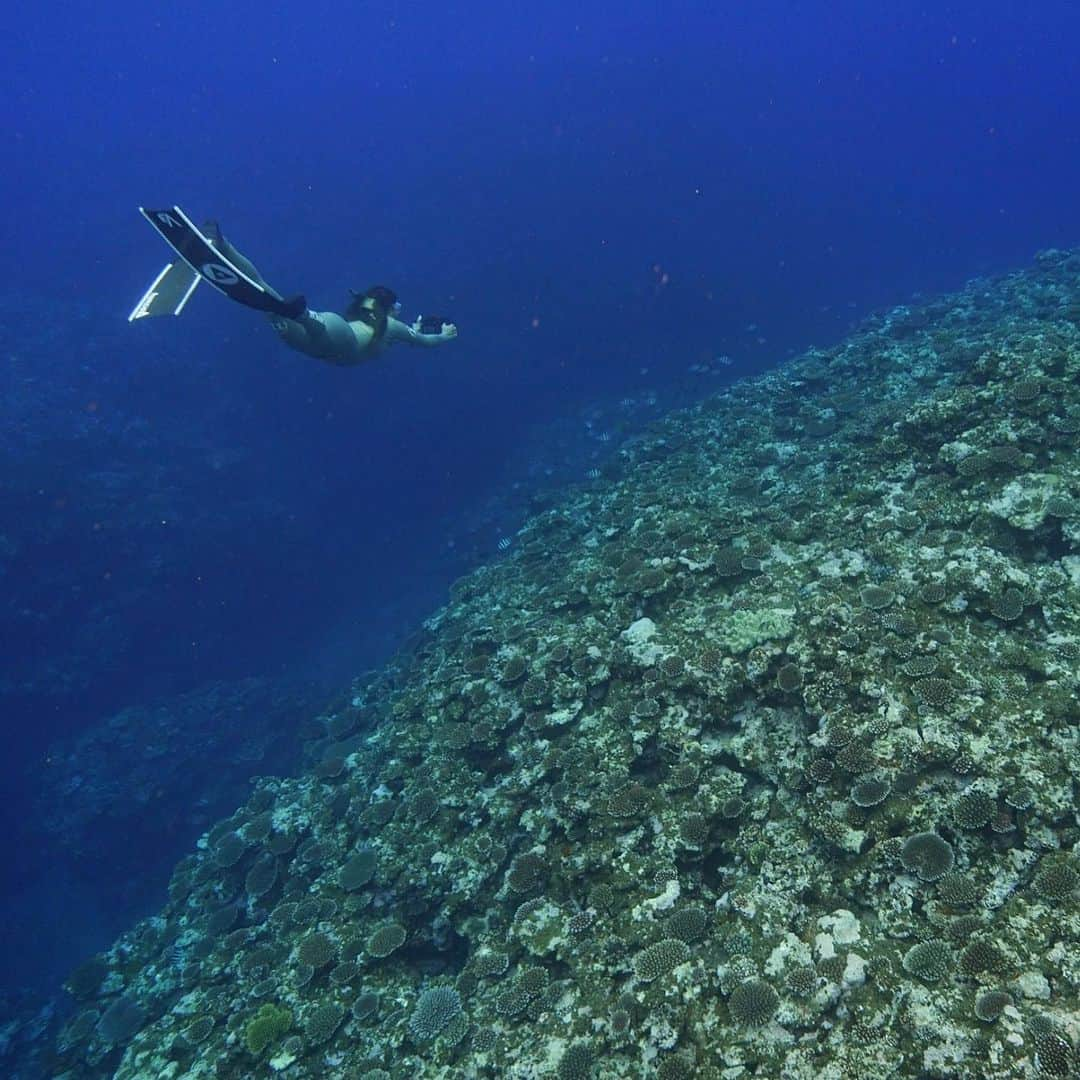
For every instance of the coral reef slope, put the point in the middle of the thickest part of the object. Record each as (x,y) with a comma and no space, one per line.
(755,757)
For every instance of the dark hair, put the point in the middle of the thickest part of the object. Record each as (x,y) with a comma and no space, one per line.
(382,295)
(360,302)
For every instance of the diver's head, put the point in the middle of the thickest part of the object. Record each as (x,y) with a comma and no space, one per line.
(382,295)
(378,300)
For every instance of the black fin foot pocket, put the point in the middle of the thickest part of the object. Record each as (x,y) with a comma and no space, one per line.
(293,307)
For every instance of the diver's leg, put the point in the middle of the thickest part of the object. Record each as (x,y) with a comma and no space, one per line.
(242,262)
(340,338)
(294,333)
(321,334)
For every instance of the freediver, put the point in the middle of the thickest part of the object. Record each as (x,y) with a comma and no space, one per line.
(369,326)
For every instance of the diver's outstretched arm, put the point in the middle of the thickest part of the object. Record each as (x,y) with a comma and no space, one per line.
(418,334)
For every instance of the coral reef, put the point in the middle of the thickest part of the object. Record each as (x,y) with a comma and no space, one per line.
(756,758)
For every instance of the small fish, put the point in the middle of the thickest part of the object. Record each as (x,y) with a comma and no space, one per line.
(504,543)
(604,436)
(592,474)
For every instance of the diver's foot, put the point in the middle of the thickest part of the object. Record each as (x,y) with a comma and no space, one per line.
(212,232)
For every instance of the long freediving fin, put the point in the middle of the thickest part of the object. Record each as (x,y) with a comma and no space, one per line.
(198,253)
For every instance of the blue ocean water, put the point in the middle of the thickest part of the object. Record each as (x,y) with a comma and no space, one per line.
(206,536)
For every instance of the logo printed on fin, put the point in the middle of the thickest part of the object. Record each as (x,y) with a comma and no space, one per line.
(218,274)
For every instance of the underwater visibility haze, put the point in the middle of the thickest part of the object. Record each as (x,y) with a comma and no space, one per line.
(674,673)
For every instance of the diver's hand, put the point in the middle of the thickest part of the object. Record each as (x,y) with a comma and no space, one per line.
(424,330)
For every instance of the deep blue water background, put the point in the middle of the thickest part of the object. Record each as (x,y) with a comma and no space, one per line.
(600,195)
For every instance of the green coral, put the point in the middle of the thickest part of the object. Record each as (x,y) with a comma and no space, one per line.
(267,1028)
(742,630)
